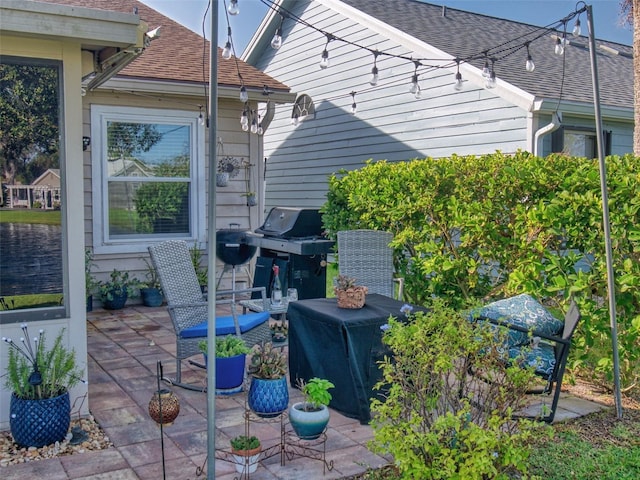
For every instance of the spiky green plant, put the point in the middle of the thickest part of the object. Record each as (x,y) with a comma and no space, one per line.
(37,372)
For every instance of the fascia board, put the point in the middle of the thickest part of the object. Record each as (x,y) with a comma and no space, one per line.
(88,26)
(582,109)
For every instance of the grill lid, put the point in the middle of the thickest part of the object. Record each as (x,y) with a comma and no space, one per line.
(287,222)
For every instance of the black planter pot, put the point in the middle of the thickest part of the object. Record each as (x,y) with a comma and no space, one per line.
(36,423)
(151,297)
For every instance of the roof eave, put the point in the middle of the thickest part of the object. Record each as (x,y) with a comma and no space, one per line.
(155,87)
(586,109)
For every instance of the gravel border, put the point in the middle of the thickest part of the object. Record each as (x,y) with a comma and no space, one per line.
(12,454)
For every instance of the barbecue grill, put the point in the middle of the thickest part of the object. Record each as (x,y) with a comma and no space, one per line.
(233,249)
(294,235)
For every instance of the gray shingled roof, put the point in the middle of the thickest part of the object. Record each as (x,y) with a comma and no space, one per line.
(464,34)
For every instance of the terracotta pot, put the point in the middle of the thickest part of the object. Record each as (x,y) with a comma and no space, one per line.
(166,400)
(246,461)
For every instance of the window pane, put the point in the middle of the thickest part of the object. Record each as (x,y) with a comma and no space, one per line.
(144,208)
(31,273)
(579,145)
(148,150)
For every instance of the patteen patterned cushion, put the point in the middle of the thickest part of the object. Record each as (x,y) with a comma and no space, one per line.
(522,310)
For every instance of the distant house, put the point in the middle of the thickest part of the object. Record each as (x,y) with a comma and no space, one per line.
(43,193)
(392,124)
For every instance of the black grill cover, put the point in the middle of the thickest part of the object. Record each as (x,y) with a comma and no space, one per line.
(286,222)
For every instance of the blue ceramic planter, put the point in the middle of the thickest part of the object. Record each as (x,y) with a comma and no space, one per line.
(268,398)
(36,423)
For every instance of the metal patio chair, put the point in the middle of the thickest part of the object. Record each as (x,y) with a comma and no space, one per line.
(188,307)
(535,339)
(366,256)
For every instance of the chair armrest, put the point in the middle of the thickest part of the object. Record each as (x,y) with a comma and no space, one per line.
(533,332)
(262,290)
(187,305)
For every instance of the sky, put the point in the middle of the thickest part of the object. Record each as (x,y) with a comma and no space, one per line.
(607,23)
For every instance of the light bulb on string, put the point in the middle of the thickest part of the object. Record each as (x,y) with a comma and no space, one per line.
(244,119)
(324,61)
(254,126)
(458,83)
(233,8)
(295,120)
(201,118)
(244,96)
(559,48)
(491,80)
(529,65)
(260,129)
(226,51)
(354,107)
(373,81)
(276,41)
(576,28)
(486,72)
(415,87)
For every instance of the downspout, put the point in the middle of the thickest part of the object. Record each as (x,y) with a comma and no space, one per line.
(549,128)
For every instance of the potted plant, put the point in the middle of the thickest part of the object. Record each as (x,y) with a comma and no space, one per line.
(268,393)
(150,290)
(40,379)
(251,199)
(201,272)
(310,417)
(231,355)
(89,281)
(117,290)
(279,332)
(246,453)
(349,294)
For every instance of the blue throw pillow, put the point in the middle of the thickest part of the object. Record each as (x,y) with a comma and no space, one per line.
(522,310)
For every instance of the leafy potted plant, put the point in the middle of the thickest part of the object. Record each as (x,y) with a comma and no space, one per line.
(251,199)
(40,379)
(310,417)
(349,294)
(231,355)
(89,281)
(117,290)
(201,272)
(268,393)
(150,290)
(246,453)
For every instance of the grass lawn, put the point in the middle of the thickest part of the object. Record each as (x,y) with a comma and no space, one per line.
(48,217)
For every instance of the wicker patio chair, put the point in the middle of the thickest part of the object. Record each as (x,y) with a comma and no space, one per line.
(366,256)
(188,307)
(535,339)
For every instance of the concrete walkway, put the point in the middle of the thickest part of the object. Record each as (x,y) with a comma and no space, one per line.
(124,348)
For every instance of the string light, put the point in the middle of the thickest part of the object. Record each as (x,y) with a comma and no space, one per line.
(559,50)
(276,41)
(233,8)
(491,80)
(324,61)
(576,28)
(200,117)
(244,96)
(458,84)
(498,53)
(415,87)
(374,70)
(226,51)
(244,119)
(529,65)
(354,107)
(254,123)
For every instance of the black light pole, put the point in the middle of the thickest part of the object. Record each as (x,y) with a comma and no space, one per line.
(211,231)
(605,211)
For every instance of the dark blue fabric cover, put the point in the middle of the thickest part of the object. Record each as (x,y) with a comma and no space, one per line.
(225,326)
(542,358)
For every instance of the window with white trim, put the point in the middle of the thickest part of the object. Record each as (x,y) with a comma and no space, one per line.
(148,177)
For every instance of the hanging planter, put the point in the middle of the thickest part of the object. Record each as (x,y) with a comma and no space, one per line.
(228,167)
(252,200)
(222,179)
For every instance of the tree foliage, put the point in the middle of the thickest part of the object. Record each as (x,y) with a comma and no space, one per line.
(29,131)
(477,228)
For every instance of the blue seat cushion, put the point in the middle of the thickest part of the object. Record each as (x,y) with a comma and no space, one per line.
(542,358)
(524,311)
(225,326)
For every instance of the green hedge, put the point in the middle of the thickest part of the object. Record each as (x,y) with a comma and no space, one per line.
(470,228)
